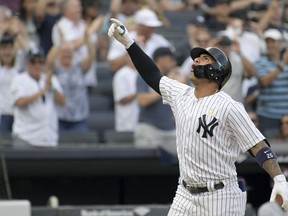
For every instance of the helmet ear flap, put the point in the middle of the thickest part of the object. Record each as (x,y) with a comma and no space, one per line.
(213,73)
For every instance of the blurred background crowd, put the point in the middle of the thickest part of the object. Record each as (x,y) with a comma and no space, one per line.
(59,71)
(61,74)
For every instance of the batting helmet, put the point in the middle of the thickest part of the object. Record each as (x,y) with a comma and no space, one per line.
(219,71)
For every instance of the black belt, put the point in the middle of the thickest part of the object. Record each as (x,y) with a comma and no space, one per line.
(197,190)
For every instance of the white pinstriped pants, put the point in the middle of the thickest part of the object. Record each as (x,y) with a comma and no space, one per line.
(229,201)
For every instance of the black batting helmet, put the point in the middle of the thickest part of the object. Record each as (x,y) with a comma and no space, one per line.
(220,71)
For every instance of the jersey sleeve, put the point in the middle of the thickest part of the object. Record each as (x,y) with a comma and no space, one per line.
(243,129)
(170,88)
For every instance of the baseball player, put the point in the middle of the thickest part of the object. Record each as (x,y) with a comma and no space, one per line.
(212,130)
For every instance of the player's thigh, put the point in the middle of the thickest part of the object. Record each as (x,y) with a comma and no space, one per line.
(230,201)
(182,204)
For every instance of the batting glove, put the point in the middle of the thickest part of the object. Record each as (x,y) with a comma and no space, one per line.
(120,33)
(281,188)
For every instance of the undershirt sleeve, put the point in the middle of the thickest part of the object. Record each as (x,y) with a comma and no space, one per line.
(146,67)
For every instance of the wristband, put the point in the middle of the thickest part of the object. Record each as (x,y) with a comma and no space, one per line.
(264,154)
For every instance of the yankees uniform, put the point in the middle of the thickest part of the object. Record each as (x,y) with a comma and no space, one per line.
(212,130)
(211,133)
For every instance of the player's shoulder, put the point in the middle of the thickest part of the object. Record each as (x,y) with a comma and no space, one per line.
(224,97)
(172,83)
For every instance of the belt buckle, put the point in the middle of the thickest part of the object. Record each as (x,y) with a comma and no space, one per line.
(194,190)
(197,190)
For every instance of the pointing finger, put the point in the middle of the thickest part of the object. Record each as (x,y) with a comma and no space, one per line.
(116,21)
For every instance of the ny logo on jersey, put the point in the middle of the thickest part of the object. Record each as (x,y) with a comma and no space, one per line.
(208,128)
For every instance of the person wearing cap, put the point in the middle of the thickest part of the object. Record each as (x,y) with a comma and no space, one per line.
(156,126)
(35,93)
(212,130)
(198,36)
(241,67)
(146,23)
(272,74)
(8,70)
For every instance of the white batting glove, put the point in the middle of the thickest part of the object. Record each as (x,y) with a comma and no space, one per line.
(281,188)
(120,33)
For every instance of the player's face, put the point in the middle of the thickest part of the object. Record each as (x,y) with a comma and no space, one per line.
(203,59)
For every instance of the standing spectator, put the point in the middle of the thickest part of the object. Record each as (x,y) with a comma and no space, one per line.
(14,27)
(284,127)
(273,17)
(147,22)
(283,130)
(250,44)
(123,10)
(8,70)
(241,67)
(194,27)
(5,16)
(156,125)
(272,73)
(126,104)
(34,94)
(197,38)
(71,28)
(46,14)
(71,74)
(26,15)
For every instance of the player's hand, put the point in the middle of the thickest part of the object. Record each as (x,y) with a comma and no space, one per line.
(120,33)
(281,188)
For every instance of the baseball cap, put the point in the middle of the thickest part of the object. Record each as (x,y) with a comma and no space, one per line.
(35,53)
(162,51)
(224,41)
(273,34)
(148,18)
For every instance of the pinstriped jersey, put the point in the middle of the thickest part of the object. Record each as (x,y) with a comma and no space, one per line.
(211,132)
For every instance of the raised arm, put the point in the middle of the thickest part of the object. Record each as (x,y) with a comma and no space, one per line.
(143,63)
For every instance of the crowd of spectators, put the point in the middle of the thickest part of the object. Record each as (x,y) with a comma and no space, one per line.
(50,51)
(71,39)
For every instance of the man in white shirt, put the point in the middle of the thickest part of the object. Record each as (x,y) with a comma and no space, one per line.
(126,104)
(34,94)
(146,23)
(71,28)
